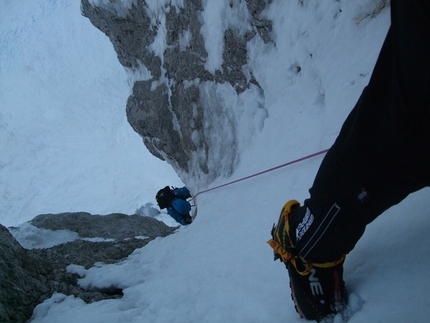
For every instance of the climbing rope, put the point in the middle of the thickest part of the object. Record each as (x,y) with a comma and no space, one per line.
(262,172)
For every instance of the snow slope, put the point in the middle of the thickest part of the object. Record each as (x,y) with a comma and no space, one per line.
(65,142)
(66,146)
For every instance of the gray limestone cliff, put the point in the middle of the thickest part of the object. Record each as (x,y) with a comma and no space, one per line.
(175,105)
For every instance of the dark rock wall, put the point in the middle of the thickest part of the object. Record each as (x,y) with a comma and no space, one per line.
(23,279)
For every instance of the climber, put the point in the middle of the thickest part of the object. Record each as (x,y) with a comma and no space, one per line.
(381,155)
(175,201)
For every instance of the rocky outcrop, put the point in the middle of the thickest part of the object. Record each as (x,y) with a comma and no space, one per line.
(23,279)
(115,226)
(174,103)
(122,234)
(28,277)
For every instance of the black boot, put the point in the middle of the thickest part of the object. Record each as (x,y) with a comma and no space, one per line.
(187,218)
(317,289)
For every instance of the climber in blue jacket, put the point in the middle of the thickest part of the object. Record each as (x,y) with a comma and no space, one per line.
(175,201)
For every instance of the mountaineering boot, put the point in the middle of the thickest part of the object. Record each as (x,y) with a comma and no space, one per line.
(317,289)
(318,294)
(187,218)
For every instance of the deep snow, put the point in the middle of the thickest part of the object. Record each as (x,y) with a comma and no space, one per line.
(66,146)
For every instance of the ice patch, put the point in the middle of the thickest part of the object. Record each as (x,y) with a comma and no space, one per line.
(31,237)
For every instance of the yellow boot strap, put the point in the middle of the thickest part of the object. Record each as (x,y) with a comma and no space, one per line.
(287,256)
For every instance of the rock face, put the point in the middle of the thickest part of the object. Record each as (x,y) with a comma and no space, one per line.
(28,277)
(22,279)
(174,105)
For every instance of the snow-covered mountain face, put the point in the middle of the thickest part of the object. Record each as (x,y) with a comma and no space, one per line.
(67,146)
(65,143)
(198,92)
(262,81)
(196,101)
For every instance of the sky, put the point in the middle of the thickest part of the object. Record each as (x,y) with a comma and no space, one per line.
(66,146)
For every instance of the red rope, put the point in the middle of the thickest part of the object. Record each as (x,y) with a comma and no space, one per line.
(263,172)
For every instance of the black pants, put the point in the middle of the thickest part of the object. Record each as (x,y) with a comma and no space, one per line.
(382,153)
